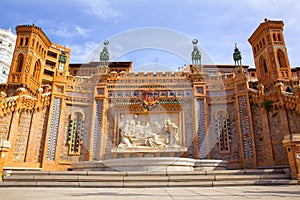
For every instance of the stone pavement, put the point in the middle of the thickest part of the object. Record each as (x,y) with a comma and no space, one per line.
(189,193)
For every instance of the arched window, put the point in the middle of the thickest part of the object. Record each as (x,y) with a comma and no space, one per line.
(279,37)
(26,41)
(274,37)
(281,59)
(20,63)
(260,45)
(76,133)
(223,131)
(263,65)
(21,42)
(37,69)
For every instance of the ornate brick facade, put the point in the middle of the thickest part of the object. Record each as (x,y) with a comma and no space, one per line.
(52,115)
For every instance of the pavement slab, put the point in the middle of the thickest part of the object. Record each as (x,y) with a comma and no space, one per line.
(163,193)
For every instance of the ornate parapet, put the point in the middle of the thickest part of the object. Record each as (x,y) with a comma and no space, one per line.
(254,96)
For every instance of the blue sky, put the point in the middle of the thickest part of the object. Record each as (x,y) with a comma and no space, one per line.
(155,31)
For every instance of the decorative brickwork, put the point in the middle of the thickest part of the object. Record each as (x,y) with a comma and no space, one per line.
(97,130)
(201,129)
(245,127)
(54,124)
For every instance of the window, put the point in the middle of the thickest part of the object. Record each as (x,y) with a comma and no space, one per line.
(26,41)
(21,42)
(223,131)
(37,69)
(263,65)
(281,59)
(274,37)
(279,37)
(20,63)
(76,133)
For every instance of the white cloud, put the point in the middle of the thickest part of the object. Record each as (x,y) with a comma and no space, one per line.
(81,52)
(62,29)
(100,8)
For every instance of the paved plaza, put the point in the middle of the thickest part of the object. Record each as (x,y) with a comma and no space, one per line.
(189,193)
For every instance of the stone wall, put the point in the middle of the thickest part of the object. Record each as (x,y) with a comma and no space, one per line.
(268,135)
(4,126)
(21,137)
(261,154)
(189,123)
(40,136)
(294,121)
(275,123)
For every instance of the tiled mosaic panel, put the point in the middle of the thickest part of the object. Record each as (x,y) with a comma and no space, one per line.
(97,130)
(245,126)
(201,129)
(53,129)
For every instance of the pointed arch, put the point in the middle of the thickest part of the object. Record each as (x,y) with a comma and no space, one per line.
(37,69)
(76,132)
(281,59)
(20,63)
(223,131)
(263,65)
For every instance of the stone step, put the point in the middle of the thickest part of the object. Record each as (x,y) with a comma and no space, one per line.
(177,173)
(69,177)
(121,184)
(35,178)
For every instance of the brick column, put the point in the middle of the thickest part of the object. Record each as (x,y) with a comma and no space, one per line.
(292,145)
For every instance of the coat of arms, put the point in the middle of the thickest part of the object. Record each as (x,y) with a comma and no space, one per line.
(150,99)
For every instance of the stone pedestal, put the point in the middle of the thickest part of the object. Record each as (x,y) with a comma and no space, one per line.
(292,145)
(4,147)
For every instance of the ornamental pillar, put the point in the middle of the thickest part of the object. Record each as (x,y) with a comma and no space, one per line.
(291,143)
(4,148)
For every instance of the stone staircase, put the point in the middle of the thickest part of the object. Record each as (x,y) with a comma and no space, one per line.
(34,178)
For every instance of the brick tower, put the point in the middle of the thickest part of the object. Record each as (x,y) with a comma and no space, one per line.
(36,61)
(270,54)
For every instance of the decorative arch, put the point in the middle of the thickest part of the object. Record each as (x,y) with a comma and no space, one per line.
(223,131)
(37,69)
(20,63)
(263,65)
(281,59)
(76,132)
